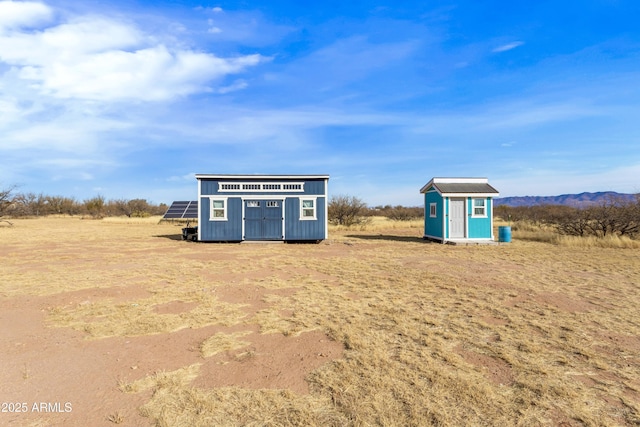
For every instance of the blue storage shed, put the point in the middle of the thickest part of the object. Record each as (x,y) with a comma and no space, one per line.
(458,210)
(262,207)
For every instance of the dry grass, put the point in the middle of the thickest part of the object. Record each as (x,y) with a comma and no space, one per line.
(180,378)
(115,418)
(183,406)
(530,333)
(526,231)
(133,220)
(611,241)
(374,223)
(106,319)
(223,342)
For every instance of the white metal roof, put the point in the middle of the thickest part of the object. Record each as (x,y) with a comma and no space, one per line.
(258,176)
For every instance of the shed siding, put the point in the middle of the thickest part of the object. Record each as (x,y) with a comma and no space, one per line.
(479,228)
(209,187)
(297,229)
(313,187)
(433,226)
(229,230)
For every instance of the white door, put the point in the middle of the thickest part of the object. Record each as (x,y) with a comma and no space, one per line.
(456,219)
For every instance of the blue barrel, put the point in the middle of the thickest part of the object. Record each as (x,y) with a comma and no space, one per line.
(504,234)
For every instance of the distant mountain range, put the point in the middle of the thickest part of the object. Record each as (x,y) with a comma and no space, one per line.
(576,200)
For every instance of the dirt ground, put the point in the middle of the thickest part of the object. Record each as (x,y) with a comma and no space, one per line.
(90,309)
(77,380)
(59,376)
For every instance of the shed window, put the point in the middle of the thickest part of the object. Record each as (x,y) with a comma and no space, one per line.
(297,187)
(271,186)
(272,204)
(229,186)
(262,187)
(432,210)
(480,207)
(307,209)
(253,204)
(218,210)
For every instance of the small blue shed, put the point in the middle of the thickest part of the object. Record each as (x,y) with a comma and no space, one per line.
(262,207)
(458,210)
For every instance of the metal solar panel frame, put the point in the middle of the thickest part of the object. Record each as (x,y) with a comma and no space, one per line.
(182,210)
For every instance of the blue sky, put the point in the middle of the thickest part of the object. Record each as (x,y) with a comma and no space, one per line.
(128,99)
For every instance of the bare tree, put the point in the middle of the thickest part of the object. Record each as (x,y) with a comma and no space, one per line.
(131,208)
(6,200)
(347,210)
(576,223)
(121,207)
(95,206)
(615,216)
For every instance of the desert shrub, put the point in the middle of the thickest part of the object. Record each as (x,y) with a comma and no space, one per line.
(347,211)
(574,223)
(615,217)
(31,204)
(27,204)
(402,213)
(63,205)
(95,206)
(135,208)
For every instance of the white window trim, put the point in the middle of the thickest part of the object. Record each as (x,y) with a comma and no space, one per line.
(315,209)
(433,210)
(473,208)
(226,207)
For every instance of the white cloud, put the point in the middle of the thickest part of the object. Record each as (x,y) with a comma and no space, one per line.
(37,134)
(66,44)
(237,85)
(9,112)
(151,74)
(253,126)
(508,46)
(15,14)
(96,58)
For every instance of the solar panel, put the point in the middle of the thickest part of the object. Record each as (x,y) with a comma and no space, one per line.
(182,209)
